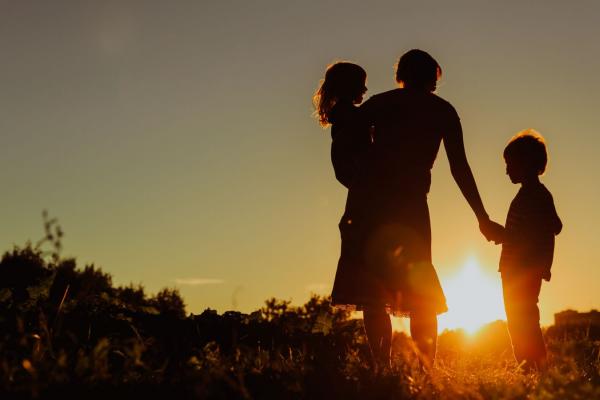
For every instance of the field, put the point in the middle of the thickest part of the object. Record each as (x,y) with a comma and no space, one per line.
(67,332)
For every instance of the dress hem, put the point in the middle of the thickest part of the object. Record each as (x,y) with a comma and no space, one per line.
(389,309)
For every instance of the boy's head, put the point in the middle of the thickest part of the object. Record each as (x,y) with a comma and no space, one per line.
(525,156)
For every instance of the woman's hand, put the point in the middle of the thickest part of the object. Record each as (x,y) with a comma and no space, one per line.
(492,231)
(546,275)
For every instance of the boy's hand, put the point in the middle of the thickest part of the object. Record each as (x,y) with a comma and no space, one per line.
(492,231)
(546,275)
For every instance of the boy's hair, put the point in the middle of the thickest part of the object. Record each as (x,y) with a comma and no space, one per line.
(529,148)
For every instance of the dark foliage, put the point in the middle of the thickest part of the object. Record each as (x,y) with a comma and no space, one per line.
(67,332)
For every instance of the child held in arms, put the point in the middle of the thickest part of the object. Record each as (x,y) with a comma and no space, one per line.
(527,246)
(336,103)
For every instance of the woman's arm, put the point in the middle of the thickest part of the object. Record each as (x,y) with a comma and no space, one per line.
(462,174)
(460,169)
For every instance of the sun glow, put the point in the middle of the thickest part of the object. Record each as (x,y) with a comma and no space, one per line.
(474,298)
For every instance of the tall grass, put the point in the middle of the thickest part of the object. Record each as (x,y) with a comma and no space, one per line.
(68,332)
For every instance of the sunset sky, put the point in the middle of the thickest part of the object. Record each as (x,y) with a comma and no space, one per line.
(175,144)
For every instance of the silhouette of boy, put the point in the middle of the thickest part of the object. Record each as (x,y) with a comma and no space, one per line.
(527,246)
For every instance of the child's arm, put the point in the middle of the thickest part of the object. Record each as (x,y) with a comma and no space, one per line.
(542,225)
(343,147)
(341,160)
(541,254)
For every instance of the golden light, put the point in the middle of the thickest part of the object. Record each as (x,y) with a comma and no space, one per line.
(474,298)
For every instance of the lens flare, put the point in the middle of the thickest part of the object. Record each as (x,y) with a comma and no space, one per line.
(474,298)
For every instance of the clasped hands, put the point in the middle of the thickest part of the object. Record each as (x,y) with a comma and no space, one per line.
(492,231)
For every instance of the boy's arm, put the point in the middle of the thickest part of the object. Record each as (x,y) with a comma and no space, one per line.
(541,255)
(541,227)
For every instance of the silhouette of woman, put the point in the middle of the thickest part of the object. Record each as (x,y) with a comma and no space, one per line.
(385,264)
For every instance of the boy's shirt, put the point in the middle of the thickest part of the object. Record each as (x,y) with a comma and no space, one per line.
(531,224)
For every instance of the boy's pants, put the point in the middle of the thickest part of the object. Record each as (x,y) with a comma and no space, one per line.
(521,291)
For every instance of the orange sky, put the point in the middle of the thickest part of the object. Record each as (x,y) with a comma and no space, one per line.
(176,145)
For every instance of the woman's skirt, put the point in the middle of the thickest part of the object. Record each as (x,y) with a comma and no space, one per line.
(385,260)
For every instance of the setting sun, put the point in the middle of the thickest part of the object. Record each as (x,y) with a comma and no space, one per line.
(474,298)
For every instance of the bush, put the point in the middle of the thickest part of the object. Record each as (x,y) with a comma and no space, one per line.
(67,332)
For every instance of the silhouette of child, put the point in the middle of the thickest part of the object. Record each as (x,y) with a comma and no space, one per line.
(527,246)
(335,103)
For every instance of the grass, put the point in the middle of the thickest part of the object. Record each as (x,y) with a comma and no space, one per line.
(67,332)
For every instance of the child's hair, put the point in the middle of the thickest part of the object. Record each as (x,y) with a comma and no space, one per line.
(343,81)
(416,68)
(528,147)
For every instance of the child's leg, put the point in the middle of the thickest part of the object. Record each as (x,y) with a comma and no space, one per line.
(522,314)
(378,328)
(536,348)
(423,330)
(512,302)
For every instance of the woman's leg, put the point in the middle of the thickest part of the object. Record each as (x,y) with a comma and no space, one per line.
(423,329)
(378,328)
